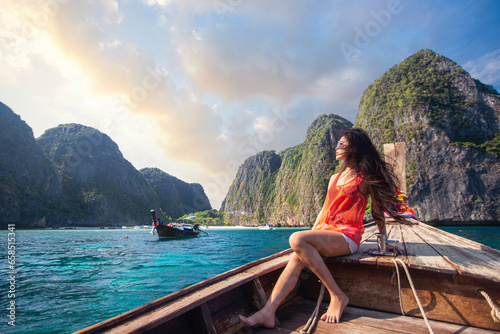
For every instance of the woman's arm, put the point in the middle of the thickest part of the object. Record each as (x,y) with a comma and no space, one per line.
(321,212)
(377,213)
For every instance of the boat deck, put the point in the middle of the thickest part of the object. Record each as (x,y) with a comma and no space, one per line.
(450,276)
(447,272)
(428,248)
(357,320)
(425,249)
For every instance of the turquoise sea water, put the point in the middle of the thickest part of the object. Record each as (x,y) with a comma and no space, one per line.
(67,280)
(70,279)
(487,235)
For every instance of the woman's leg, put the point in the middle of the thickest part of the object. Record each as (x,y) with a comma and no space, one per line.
(309,247)
(285,284)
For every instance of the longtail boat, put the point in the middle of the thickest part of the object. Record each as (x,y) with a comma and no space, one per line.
(442,283)
(173,231)
(183,231)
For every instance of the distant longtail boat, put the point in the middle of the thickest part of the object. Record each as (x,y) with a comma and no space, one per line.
(174,230)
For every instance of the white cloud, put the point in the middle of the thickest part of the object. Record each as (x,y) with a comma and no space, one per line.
(237,63)
(262,123)
(161,3)
(486,68)
(195,87)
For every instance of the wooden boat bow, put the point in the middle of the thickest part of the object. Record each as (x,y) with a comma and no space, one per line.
(453,277)
(447,271)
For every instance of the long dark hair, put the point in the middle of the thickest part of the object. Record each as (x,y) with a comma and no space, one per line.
(363,157)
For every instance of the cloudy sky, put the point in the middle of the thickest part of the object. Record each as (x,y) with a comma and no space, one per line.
(196,87)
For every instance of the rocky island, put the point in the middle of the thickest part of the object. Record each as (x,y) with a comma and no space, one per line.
(449,121)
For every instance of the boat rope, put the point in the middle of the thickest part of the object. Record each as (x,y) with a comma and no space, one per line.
(495,311)
(399,290)
(313,319)
(396,261)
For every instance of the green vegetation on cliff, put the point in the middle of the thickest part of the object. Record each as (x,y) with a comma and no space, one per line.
(176,197)
(288,187)
(450,123)
(74,175)
(425,82)
(207,217)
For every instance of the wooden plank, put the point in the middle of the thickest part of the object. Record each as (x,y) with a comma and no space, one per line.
(358,320)
(445,297)
(395,155)
(468,258)
(207,319)
(162,313)
(261,266)
(462,240)
(375,320)
(259,294)
(420,255)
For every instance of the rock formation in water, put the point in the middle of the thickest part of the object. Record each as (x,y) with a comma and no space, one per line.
(74,175)
(30,186)
(110,190)
(177,197)
(450,123)
(286,188)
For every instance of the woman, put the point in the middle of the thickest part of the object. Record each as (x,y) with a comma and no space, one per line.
(339,225)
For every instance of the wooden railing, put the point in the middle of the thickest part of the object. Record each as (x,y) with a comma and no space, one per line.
(395,155)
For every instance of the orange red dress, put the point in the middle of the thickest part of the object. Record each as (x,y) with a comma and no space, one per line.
(343,210)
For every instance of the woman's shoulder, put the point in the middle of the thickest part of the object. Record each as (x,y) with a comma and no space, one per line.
(332,178)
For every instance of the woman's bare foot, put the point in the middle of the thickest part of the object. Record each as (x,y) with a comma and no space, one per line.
(335,309)
(260,318)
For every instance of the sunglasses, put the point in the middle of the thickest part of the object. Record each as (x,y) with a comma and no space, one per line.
(341,144)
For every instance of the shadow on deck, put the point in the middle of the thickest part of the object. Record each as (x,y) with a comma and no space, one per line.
(357,320)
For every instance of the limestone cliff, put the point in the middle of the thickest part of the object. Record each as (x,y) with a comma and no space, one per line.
(450,123)
(286,188)
(176,197)
(110,190)
(74,175)
(30,187)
